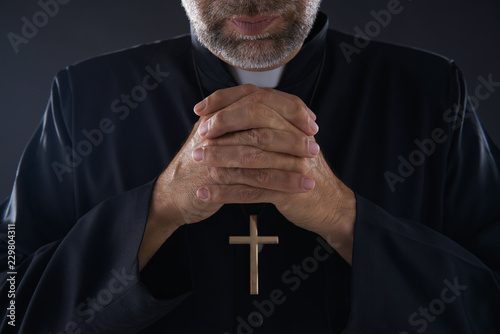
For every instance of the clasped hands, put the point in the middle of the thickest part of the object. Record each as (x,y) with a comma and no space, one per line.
(255,145)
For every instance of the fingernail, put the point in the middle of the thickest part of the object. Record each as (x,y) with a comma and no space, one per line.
(200,106)
(308,184)
(203,194)
(314,127)
(312,114)
(313,148)
(203,129)
(198,154)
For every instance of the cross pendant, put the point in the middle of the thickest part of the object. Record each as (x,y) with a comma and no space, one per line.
(254,240)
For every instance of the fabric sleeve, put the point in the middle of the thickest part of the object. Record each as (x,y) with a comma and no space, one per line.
(73,274)
(408,278)
(411,278)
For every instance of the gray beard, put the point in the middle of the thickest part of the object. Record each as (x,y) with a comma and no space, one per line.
(252,52)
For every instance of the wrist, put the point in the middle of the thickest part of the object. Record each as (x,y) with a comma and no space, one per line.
(162,221)
(339,233)
(156,233)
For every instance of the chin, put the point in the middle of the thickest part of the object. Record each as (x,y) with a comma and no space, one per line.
(257,56)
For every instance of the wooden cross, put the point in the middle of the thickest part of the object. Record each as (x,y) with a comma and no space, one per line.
(254,240)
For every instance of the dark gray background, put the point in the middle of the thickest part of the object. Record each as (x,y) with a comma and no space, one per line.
(467,31)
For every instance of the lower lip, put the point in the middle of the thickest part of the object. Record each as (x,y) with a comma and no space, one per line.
(253,28)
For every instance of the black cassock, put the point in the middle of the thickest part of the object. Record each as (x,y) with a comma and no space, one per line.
(397,128)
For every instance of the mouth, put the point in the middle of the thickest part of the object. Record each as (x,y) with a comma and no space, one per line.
(253,26)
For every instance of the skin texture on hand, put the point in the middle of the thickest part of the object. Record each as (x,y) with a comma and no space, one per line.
(252,145)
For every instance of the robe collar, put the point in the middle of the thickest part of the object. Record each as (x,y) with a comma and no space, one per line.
(304,67)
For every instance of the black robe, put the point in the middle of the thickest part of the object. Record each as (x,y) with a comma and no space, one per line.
(396,127)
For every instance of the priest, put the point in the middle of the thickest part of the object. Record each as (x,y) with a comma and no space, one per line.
(252,178)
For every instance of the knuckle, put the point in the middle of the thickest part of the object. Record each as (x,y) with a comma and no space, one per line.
(249,89)
(296,114)
(264,177)
(217,175)
(246,159)
(253,137)
(296,111)
(253,110)
(280,122)
(297,101)
(293,107)
(250,194)
(249,156)
(302,166)
(218,121)
(218,118)
(286,114)
(259,96)
(215,97)
(261,137)
(213,173)
(247,194)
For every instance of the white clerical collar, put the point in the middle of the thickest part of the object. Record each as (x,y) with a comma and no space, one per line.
(266,79)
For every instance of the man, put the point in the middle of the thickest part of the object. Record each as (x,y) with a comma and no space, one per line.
(124,226)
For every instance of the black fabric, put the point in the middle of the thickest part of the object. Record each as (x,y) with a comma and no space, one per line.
(171,257)
(426,243)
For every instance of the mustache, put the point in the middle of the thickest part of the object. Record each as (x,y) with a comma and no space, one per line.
(232,8)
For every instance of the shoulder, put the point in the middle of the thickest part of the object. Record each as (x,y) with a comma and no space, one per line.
(170,49)
(391,59)
(417,76)
(130,61)
(118,71)
(356,47)
(88,87)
